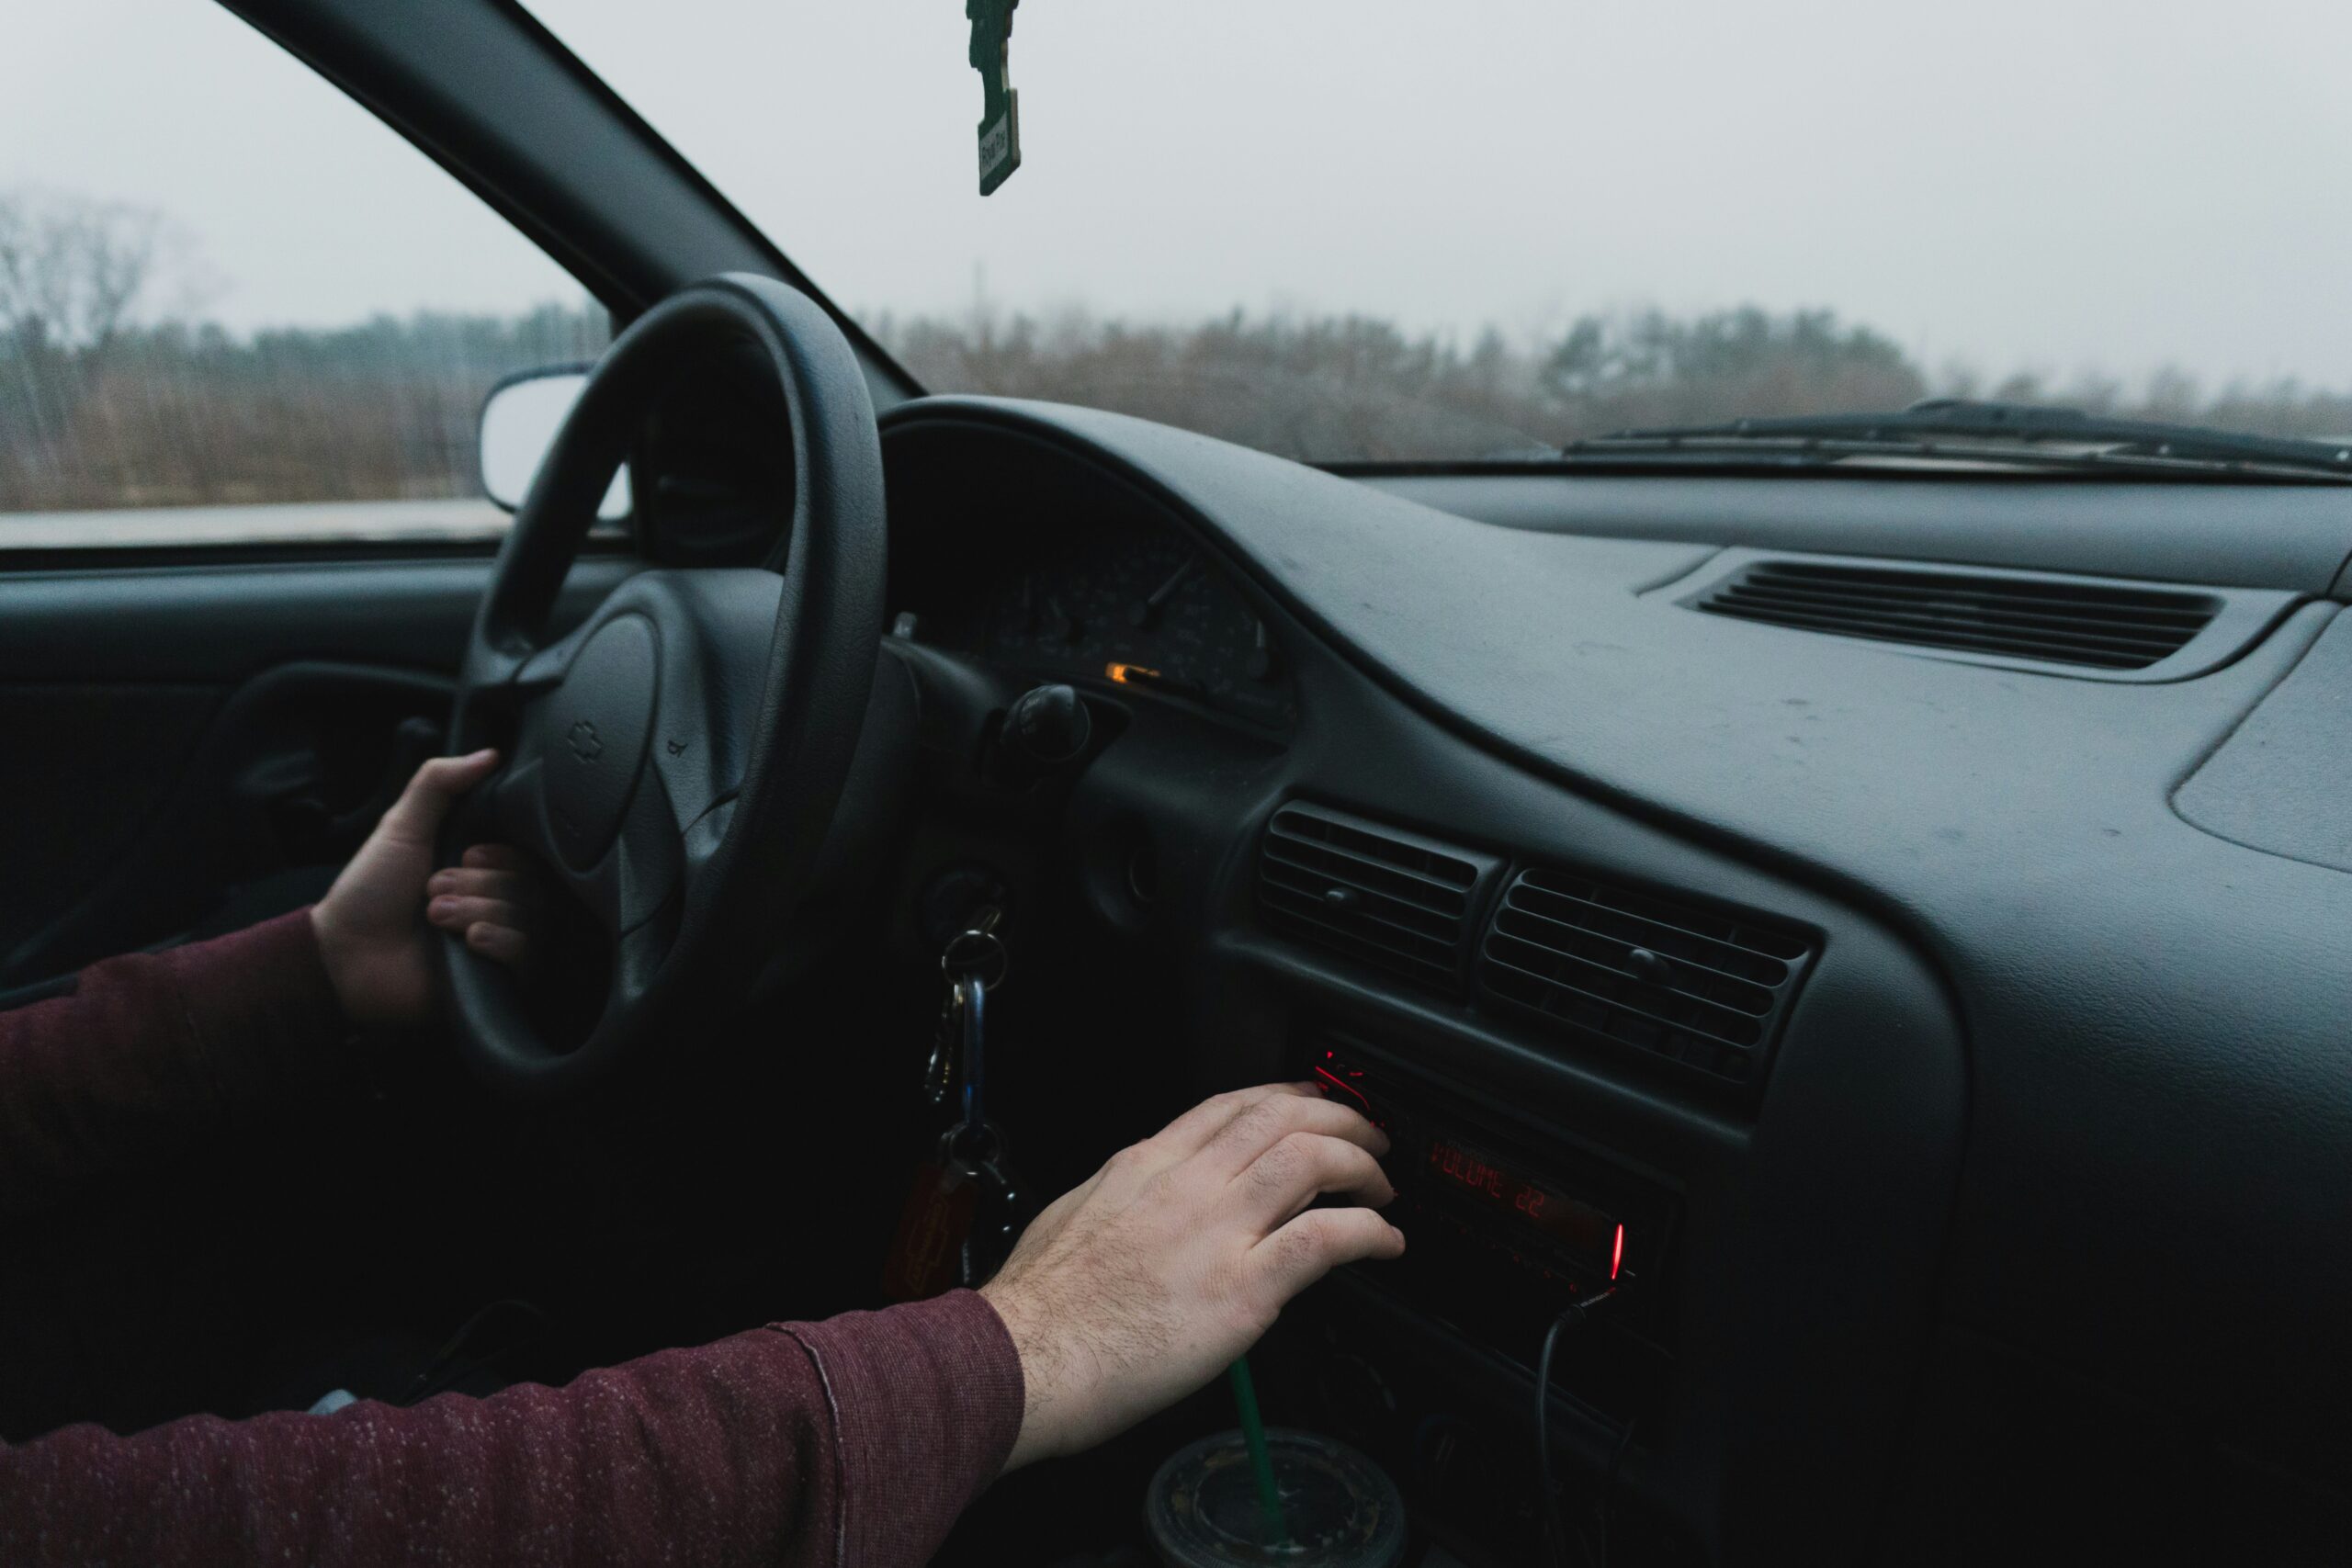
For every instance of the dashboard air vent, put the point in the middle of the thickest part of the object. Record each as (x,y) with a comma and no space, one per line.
(2096,624)
(1383,896)
(1698,987)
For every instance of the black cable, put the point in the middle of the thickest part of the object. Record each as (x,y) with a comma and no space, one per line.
(1608,1487)
(443,1370)
(1555,1529)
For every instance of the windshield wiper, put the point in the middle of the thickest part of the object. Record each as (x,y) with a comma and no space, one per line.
(1962,431)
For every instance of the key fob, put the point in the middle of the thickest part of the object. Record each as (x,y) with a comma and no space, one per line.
(927,1253)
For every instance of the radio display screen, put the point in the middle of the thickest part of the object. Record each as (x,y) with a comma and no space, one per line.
(1582,1229)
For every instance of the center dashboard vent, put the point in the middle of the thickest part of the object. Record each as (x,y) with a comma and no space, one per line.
(1385,896)
(1694,986)
(2091,625)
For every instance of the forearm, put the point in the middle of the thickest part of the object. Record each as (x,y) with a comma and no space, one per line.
(857,1440)
(154,1051)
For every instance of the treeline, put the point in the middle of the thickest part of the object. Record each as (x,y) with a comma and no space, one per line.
(110,397)
(191,414)
(182,414)
(1355,388)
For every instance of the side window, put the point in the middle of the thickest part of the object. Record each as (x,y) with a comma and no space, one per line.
(235,307)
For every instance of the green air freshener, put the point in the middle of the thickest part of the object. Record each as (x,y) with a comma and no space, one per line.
(1000,105)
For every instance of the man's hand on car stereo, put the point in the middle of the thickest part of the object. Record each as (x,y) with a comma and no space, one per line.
(1141,1285)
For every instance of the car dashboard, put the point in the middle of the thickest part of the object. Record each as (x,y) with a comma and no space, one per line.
(1872,1017)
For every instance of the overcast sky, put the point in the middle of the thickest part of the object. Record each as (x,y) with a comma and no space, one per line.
(2044,184)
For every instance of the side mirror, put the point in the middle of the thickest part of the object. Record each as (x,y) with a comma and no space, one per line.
(520,421)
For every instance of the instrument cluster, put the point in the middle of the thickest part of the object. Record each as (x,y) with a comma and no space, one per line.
(1143,611)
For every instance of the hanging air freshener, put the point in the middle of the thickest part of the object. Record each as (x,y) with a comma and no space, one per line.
(1000,105)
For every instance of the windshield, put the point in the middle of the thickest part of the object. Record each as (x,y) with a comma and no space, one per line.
(1357,230)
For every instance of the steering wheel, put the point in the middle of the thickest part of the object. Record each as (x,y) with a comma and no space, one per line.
(676,760)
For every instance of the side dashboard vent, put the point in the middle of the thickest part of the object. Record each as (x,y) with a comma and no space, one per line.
(2095,625)
(1695,987)
(1383,896)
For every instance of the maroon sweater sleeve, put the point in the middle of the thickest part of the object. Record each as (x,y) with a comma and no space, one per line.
(153,1053)
(853,1441)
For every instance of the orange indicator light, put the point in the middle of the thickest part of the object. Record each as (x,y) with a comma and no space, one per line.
(1130,674)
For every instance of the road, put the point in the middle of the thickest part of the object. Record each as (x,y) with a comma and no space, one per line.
(336,522)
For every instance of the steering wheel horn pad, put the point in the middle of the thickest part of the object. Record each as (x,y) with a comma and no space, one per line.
(590,765)
(675,762)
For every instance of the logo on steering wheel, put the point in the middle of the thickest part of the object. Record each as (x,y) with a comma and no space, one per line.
(586,744)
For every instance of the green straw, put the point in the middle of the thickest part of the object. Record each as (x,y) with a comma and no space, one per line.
(1261,1463)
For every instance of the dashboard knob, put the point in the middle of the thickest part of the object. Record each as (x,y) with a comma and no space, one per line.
(1650,968)
(1049,724)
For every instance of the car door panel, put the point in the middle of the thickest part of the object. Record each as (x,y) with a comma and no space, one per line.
(196,748)
(217,624)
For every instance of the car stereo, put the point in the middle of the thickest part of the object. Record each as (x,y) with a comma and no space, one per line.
(1504,1229)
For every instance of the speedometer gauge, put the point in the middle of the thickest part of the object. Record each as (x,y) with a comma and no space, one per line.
(1140,610)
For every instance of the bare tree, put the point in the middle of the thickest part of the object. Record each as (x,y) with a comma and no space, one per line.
(73,274)
(71,270)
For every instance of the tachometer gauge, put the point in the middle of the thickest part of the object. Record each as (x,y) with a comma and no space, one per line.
(1140,611)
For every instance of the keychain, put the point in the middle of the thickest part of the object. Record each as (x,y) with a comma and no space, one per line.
(976,952)
(960,1214)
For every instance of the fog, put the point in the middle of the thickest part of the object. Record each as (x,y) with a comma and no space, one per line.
(2044,186)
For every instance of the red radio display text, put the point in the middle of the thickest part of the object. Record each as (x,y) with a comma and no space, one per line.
(1583,1229)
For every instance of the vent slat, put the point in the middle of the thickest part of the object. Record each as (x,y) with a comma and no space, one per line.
(2031,617)
(2161,633)
(1710,986)
(1402,886)
(1383,896)
(1632,930)
(2091,624)
(1385,912)
(2017,593)
(1438,866)
(1924,636)
(1671,978)
(1600,985)
(1427,963)
(1963,613)
(1658,911)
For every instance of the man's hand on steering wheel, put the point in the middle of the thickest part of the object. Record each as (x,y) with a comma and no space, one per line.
(375,927)
(490,898)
